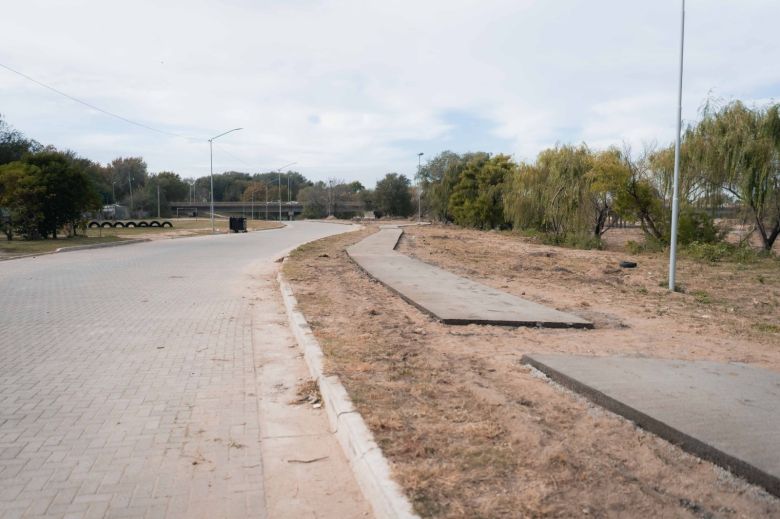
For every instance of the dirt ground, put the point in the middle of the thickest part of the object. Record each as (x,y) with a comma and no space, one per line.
(471,432)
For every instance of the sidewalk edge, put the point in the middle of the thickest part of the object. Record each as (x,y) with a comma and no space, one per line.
(371,468)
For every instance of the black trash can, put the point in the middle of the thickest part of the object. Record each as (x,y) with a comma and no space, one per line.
(237,224)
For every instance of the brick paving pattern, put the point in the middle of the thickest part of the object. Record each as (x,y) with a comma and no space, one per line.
(128,384)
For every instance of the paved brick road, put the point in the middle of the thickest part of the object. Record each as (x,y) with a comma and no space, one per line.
(128,386)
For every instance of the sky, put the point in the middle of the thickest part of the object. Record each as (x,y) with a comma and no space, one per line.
(354,89)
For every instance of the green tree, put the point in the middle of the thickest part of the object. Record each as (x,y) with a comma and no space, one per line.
(392,195)
(740,149)
(477,198)
(315,200)
(68,191)
(14,145)
(438,178)
(21,198)
(126,173)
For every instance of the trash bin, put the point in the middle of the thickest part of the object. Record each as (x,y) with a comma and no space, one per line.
(237,224)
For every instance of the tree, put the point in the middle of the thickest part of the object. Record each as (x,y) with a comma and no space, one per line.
(392,196)
(438,178)
(740,149)
(46,191)
(68,191)
(477,198)
(14,145)
(22,197)
(607,176)
(126,173)
(639,198)
(315,200)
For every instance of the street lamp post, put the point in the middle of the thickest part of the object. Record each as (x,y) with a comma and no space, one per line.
(130,181)
(279,180)
(676,190)
(419,206)
(211,170)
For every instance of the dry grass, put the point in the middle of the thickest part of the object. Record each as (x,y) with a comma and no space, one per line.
(18,247)
(470,432)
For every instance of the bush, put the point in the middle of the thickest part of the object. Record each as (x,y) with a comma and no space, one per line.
(715,252)
(696,226)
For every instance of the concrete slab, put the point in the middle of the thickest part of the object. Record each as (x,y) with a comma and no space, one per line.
(450,298)
(726,413)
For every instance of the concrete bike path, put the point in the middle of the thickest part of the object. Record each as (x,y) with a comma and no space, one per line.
(726,413)
(450,298)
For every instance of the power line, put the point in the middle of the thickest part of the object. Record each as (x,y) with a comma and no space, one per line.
(93,107)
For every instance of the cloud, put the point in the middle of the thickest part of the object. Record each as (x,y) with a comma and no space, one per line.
(356,88)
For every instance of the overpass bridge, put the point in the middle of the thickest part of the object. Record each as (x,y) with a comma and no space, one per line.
(254,210)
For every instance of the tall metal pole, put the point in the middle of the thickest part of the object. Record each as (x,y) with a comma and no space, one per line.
(266,200)
(253,204)
(211,177)
(211,170)
(158,200)
(280,194)
(419,206)
(113,193)
(289,198)
(130,181)
(676,191)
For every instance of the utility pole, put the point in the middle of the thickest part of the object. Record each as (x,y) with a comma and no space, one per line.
(253,204)
(158,199)
(113,193)
(266,200)
(676,191)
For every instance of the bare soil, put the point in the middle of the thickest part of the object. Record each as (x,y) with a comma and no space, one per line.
(471,432)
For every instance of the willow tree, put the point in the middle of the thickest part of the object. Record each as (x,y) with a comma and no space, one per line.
(607,179)
(740,148)
(553,194)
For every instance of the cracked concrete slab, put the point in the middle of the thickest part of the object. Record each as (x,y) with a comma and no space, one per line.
(448,297)
(726,413)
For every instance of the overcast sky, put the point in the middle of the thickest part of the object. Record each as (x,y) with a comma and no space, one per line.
(356,88)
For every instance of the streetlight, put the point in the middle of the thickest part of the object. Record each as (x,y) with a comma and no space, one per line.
(279,171)
(130,181)
(676,191)
(419,210)
(211,169)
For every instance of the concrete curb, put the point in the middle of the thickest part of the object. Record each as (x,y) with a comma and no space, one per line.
(101,245)
(371,468)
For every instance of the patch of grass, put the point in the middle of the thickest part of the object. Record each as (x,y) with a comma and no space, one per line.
(22,247)
(721,251)
(679,288)
(701,297)
(767,327)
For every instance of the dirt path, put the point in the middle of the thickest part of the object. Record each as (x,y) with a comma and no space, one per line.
(473,433)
